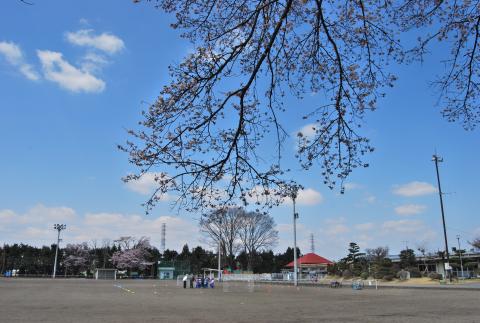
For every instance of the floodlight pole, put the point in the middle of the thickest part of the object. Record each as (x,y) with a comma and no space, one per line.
(220,250)
(219,261)
(295,216)
(58,227)
(438,159)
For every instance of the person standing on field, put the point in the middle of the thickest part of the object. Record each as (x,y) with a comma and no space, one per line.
(185,278)
(192,279)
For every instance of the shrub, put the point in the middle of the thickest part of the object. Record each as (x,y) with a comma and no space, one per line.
(388,277)
(414,272)
(347,274)
(402,275)
(364,275)
(435,276)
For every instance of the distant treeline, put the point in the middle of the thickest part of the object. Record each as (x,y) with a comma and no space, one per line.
(82,259)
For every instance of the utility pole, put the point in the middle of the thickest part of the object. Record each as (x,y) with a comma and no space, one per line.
(295,217)
(58,227)
(438,159)
(460,254)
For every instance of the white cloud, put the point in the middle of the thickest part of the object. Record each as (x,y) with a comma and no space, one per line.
(288,228)
(402,226)
(304,135)
(42,214)
(370,199)
(144,185)
(105,42)
(93,63)
(414,189)
(35,227)
(102,218)
(410,209)
(84,22)
(337,229)
(309,196)
(308,130)
(14,56)
(306,197)
(6,216)
(351,186)
(364,226)
(58,70)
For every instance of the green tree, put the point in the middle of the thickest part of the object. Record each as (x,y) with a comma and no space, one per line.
(378,262)
(201,258)
(265,262)
(185,254)
(407,259)
(170,255)
(281,260)
(355,259)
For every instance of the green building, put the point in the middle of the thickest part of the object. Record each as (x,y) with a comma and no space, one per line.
(173,268)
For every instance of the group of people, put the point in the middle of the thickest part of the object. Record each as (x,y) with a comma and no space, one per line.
(198,281)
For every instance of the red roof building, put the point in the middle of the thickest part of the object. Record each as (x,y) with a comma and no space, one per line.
(311,260)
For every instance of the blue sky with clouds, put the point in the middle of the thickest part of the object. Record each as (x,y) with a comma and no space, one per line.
(75,75)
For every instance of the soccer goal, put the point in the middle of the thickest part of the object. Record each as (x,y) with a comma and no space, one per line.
(104,273)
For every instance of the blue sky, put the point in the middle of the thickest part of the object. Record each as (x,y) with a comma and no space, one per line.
(75,75)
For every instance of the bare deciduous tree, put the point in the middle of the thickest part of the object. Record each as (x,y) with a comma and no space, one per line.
(77,257)
(225,99)
(456,23)
(476,243)
(222,226)
(257,232)
(377,254)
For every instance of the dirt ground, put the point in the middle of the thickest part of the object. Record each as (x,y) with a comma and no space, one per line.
(45,300)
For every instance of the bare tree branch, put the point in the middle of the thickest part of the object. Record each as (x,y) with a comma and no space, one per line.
(207,133)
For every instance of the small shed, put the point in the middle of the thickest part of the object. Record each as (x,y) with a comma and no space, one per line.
(170,269)
(166,272)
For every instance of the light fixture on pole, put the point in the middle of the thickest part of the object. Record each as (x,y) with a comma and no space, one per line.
(58,227)
(446,266)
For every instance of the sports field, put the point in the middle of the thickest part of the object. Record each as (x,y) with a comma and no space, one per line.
(44,300)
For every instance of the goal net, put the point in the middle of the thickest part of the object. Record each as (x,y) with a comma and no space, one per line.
(109,274)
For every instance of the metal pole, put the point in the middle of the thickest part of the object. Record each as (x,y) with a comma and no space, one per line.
(460,254)
(219,261)
(220,249)
(438,159)
(58,227)
(295,267)
(56,255)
